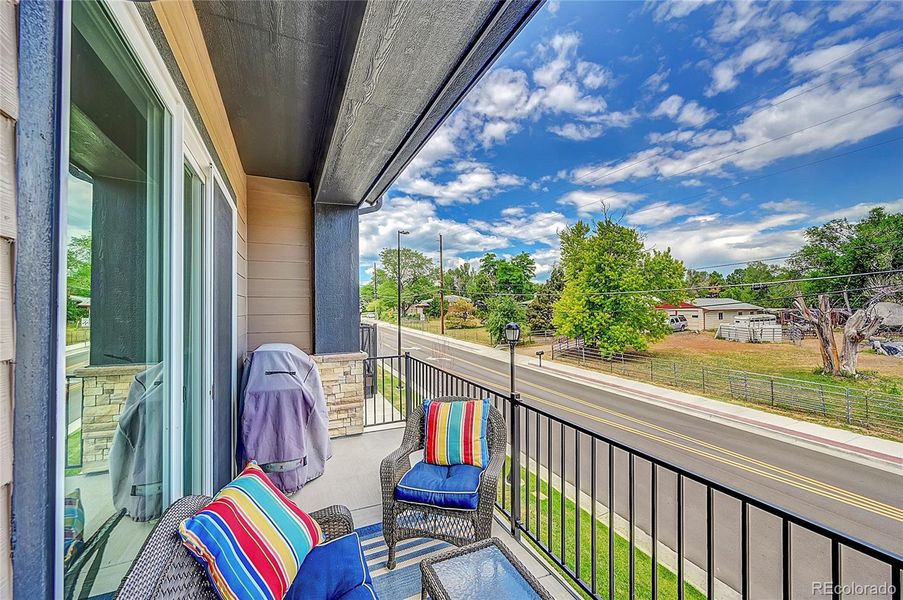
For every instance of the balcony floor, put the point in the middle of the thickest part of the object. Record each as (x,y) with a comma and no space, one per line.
(352,479)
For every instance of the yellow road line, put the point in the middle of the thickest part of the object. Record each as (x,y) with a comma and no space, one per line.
(808,484)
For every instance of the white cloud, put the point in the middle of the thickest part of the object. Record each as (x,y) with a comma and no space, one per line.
(577,131)
(858,211)
(504,93)
(841,11)
(688,113)
(659,213)
(788,205)
(740,17)
(691,183)
(816,59)
(473,183)
(793,23)
(763,54)
(589,202)
(378,230)
(667,10)
(658,81)
(553,5)
(546,259)
(516,223)
(495,132)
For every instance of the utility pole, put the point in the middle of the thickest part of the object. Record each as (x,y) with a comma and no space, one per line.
(441,290)
(401,232)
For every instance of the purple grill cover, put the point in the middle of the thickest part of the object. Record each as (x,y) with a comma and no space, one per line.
(284,421)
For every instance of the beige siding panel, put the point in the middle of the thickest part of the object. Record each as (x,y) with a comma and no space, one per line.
(279,252)
(6,437)
(7,176)
(280,306)
(302,340)
(279,262)
(242,284)
(277,288)
(7,347)
(282,270)
(9,88)
(6,590)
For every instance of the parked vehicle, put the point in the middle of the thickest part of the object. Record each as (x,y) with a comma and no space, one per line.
(677,322)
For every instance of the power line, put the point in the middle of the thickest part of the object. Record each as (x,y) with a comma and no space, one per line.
(722,116)
(741,262)
(747,149)
(772,174)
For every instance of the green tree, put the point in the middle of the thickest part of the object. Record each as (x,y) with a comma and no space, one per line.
(457,279)
(842,248)
(753,287)
(499,276)
(604,266)
(78,266)
(418,280)
(539,311)
(707,284)
(461,314)
(501,310)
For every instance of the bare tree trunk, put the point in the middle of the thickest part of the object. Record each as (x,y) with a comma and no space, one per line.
(859,327)
(820,320)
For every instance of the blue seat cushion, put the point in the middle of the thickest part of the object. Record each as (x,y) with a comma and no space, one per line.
(334,570)
(456,486)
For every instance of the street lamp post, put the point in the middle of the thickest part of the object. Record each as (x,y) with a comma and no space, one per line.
(512,334)
(401,232)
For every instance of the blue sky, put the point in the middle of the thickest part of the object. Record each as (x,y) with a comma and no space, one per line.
(720,129)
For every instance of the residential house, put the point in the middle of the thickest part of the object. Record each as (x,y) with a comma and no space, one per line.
(706,314)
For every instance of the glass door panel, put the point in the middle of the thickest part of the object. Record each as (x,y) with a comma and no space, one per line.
(194,349)
(117,299)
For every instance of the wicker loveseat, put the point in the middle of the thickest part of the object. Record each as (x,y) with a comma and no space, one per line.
(405,520)
(164,569)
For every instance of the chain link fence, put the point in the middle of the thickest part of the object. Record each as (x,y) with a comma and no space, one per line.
(870,409)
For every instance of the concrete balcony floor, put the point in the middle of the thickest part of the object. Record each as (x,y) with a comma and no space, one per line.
(352,479)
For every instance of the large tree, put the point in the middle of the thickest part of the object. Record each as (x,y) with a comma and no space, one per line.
(842,248)
(501,310)
(540,309)
(754,287)
(78,266)
(457,279)
(498,276)
(605,299)
(419,275)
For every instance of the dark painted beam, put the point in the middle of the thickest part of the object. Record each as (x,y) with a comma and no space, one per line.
(37,266)
(336,295)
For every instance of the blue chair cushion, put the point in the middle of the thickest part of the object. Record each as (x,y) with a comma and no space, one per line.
(456,486)
(334,570)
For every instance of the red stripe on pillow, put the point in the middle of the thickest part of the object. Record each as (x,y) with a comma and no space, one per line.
(468,427)
(433,419)
(255,547)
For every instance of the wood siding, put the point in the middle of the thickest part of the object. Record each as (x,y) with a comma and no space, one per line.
(280,278)
(180,25)
(9,110)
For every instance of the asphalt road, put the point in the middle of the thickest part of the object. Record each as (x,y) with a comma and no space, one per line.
(859,500)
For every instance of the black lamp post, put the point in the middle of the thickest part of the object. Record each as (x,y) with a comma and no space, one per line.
(401,232)
(512,334)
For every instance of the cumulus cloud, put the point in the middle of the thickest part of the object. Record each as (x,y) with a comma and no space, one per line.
(539,227)
(658,81)
(378,230)
(687,113)
(590,202)
(841,11)
(667,10)
(659,213)
(762,54)
(473,183)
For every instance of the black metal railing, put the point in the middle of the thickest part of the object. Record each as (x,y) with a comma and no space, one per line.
(618,522)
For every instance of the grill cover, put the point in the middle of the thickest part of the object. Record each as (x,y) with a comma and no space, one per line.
(284,423)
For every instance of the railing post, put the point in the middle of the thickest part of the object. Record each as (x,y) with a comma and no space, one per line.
(846,393)
(408,395)
(515,465)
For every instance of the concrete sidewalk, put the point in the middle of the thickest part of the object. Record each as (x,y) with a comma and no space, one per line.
(864,449)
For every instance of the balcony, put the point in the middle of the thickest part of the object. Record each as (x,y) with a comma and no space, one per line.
(672,533)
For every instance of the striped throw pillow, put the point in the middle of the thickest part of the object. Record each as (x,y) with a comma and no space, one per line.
(251,539)
(456,433)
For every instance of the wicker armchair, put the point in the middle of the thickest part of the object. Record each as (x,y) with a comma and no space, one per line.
(164,569)
(403,520)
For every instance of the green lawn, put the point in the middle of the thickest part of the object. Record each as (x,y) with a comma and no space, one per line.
(538,523)
(74,451)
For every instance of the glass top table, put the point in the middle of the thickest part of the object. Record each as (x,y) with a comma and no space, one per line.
(486,569)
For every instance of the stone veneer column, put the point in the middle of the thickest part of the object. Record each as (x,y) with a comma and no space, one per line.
(342,376)
(103,396)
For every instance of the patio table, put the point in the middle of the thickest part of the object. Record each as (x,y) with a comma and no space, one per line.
(484,569)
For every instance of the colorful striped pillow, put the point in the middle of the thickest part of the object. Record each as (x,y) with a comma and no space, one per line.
(456,432)
(251,539)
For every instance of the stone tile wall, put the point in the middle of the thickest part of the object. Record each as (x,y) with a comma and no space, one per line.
(343,384)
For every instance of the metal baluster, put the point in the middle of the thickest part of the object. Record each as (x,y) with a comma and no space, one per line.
(526,421)
(631,471)
(786,549)
(836,569)
(611,522)
(896,583)
(549,483)
(654,509)
(680,536)
(592,499)
(538,478)
(563,502)
(577,503)
(710,543)
(744,550)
